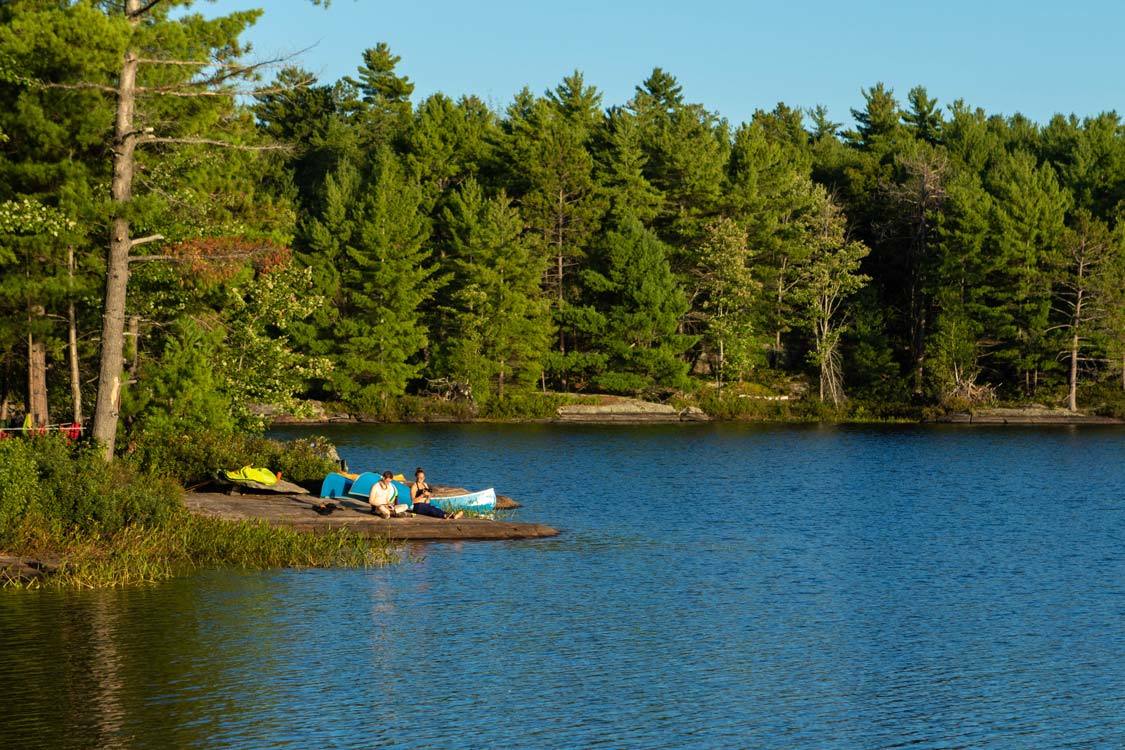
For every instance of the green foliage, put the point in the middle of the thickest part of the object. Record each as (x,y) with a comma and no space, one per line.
(194,456)
(257,363)
(54,483)
(729,296)
(502,326)
(181,391)
(560,243)
(644,304)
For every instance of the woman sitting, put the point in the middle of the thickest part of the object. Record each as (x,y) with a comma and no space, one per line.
(421,494)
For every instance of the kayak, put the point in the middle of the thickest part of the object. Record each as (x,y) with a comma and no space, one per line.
(483,502)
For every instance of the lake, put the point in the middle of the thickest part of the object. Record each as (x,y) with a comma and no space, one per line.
(714,587)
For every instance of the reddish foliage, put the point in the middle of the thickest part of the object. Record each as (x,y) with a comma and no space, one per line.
(216,259)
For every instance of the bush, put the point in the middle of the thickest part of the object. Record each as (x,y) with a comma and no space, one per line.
(525,405)
(194,457)
(49,480)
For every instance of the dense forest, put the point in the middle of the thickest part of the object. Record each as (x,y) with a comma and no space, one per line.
(283,239)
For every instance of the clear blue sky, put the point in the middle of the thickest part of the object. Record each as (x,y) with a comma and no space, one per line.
(1037,57)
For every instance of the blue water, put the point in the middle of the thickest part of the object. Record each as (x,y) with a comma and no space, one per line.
(714,587)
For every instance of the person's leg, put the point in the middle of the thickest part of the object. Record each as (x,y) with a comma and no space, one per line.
(425,509)
(381,510)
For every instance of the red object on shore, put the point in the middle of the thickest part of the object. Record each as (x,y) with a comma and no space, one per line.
(73,431)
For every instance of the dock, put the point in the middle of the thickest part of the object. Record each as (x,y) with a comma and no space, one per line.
(297,511)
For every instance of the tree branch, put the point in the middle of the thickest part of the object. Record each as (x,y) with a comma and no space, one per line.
(214,142)
(144,8)
(80,86)
(186,258)
(146,240)
(156,61)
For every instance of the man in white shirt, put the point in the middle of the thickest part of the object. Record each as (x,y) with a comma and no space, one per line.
(383,496)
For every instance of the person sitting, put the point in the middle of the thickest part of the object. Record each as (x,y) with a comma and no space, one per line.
(383,496)
(421,494)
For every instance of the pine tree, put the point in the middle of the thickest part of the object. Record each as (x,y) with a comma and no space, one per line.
(34,289)
(769,193)
(1085,295)
(879,119)
(1026,240)
(449,143)
(823,126)
(964,301)
(553,173)
(643,306)
(502,321)
(578,103)
(686,149)
(621,170)
(386,95)
(924,117)
(385,279)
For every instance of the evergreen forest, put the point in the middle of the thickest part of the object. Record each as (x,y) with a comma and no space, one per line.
(190,235)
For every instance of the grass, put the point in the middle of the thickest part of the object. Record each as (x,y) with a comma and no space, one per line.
(138,554)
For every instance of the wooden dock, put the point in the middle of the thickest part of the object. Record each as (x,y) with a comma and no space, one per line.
(298,512)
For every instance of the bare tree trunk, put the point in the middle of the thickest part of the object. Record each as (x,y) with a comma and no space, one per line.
(500,382)
(72,343)
(778,312)
(117,261)
(919,346)
(722,363)
(37,381)
(1072,395)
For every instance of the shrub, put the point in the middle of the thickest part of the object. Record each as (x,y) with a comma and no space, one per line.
(49,480)
(525,405)
(194,457)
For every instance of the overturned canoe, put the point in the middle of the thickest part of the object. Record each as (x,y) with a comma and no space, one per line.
(483,502)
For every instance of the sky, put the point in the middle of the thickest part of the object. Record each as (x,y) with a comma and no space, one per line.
(1037,57)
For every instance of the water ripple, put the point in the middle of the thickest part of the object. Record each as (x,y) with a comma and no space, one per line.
(717,587)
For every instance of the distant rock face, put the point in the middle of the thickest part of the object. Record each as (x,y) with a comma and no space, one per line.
(628,410)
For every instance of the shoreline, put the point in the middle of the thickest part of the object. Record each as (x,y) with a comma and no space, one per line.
(959,418)
(297,512)
(619,410)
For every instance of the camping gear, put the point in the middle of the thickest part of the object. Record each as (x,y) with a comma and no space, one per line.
(257,478)
(336,485)
(252,474)
(483,502)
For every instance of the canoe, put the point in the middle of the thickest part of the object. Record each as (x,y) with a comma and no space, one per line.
(483,502)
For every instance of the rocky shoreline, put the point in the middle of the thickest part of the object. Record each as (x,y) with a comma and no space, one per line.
(298,512)
(1027,416)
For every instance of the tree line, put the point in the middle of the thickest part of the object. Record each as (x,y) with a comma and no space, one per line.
(274,238)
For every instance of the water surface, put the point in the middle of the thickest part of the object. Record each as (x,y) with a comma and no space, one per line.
(715,587)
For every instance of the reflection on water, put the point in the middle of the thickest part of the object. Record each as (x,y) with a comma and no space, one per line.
(715,587)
